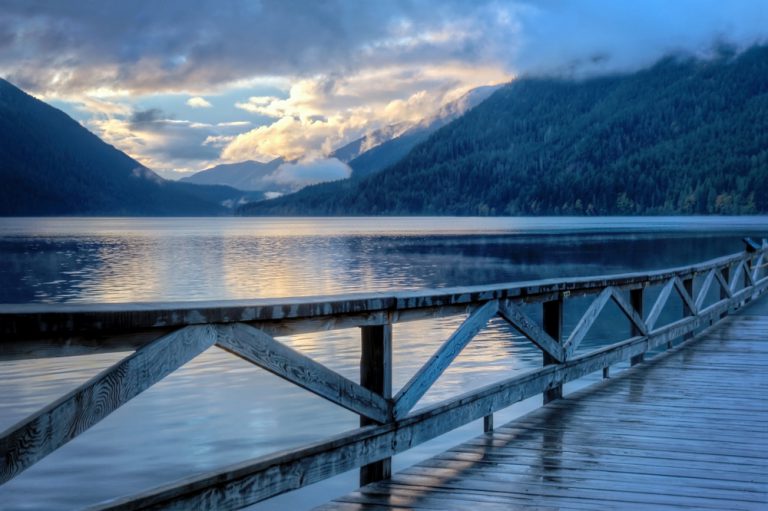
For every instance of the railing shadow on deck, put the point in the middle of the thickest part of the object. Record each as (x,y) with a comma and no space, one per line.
(165,336)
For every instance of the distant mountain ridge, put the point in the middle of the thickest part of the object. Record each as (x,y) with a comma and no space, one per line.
(382,152)
(248,175)
(366,155)
(51,165)
(384,147)
(682,137)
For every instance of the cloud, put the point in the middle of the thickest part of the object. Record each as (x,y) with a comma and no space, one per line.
(198,102)
(234,124)
(163,143)
(142,119)
(307,172)
(202,45)
(337,70)
(318,115)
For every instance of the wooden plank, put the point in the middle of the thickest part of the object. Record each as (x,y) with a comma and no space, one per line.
(758,268)
(497,452)
(376,376)
(749,280)
(488,423)
(73,346)
(426,376)
(620,490)
(43,432)
(578,466)
(515,316)
(634,316)
(552,319)
(569,452)
(636,303)
(488,399)
(255,346)
(723,276)
(255,480)
(736,277)
(661,302)
(586,321)
(705,287)
(684,289)
(24,321)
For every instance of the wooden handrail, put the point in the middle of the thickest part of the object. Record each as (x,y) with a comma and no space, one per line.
(388,426)
(285,316)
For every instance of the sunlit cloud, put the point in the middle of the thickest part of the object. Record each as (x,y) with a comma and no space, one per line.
(335,70)
(199,102)
(163,143)
(322,113)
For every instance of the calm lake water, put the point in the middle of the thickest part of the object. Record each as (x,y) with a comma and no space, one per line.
(218,409)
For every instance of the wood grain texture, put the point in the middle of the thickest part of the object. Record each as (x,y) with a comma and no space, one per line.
(736,276)
(255,346)
(637,303)
(376,376)
(661,302)
(758,267)
(515,316)
(587,320)
(40,434)
(426,376)
(629,311)
(684,288)
(552,322)
(723,276)
(255,480)
(642,440)
(236,327)
(35,321)
(705,287)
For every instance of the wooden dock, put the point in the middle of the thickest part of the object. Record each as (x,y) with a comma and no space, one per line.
(687,430)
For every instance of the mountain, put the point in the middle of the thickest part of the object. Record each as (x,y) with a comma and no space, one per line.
(51,165)
(372,153)
(368,141)
(683,136)
(384,147)
(246,175)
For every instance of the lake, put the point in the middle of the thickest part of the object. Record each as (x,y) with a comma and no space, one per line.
(218,409)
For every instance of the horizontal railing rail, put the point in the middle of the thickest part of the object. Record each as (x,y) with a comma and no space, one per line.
(166,336)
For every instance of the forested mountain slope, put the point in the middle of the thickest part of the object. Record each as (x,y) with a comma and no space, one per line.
(51,165)
(682,137)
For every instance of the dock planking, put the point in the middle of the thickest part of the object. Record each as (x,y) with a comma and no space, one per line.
(685,430)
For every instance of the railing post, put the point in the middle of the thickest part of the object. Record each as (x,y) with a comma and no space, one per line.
(688,285)
(747,272)
(726,271)
(553,325)
(636,301)
(376,375)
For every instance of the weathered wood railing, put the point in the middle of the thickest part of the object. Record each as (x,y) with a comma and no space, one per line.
(166,336)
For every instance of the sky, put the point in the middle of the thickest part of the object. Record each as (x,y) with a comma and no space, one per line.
(184,85)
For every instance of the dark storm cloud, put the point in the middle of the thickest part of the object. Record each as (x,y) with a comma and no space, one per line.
(150,46)
(141,118)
